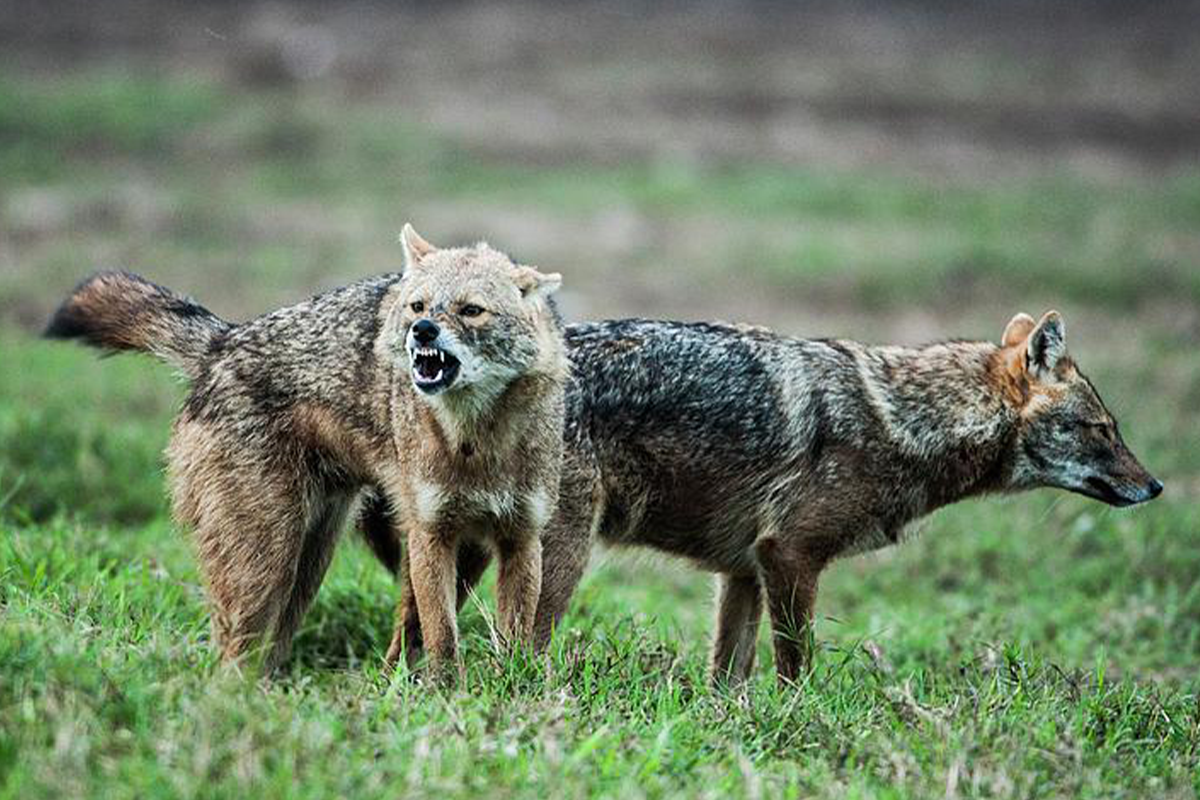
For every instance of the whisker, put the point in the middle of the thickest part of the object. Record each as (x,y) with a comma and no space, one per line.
(1050,509)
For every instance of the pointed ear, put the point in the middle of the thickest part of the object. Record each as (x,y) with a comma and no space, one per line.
(1017,330)
(415,248)
(533,283)
(1047,344)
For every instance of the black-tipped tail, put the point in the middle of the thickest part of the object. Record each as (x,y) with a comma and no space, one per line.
(121,311)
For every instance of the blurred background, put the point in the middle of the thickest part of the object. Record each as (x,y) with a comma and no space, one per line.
(889,171)
(784,163)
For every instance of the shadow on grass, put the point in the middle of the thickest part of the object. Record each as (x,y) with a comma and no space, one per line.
(346,627)
(351,625)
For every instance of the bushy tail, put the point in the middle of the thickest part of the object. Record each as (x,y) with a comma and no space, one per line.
(120,311)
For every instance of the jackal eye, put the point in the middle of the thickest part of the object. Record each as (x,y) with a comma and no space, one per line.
(417,307)
(470,310)
(1099,429)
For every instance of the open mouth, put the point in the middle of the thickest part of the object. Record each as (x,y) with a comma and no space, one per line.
(1100,489)
(433,369)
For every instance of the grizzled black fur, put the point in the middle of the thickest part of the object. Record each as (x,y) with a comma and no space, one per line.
(763,457)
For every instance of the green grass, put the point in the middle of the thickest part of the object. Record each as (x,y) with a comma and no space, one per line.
(1046,647)
(111,690)
(1036,647)
(90,117)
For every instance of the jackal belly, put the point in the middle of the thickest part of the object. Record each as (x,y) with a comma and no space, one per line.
(712,526)
(841,507)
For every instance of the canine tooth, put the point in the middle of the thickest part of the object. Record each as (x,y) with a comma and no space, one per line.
(442,356)
(437,377)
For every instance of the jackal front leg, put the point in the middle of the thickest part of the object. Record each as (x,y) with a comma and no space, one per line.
(431,558)
(518,586)
(739,609)
(789,574)
(473,559)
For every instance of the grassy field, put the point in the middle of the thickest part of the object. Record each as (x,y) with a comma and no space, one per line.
(1046,647)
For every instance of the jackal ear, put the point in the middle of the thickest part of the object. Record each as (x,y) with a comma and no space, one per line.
(415,248)
(1047,344)
(536,284)
(1017,330)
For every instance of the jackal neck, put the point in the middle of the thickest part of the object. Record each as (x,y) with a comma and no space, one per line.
(467,424)
(942,407)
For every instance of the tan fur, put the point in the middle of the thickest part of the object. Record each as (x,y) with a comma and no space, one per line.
(472,478)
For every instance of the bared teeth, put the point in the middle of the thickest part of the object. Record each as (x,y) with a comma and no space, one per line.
(423,378)
(427,359)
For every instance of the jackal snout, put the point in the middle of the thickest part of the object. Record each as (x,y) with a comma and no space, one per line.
(1119,479)
(435,365)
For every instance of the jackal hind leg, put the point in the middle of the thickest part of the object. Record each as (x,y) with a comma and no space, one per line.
(377,525)
(789,575)
(248,538)
(320,540)
(739,610)
(565,554)
(566,550)
(473,559)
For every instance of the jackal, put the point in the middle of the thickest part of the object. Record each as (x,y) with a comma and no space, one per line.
(439,388)
(763,458)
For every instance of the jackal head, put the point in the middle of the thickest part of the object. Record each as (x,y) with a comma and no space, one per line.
(473,321)
(1066,438)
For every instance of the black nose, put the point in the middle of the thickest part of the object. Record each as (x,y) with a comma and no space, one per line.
(425,331)
(1155,488)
